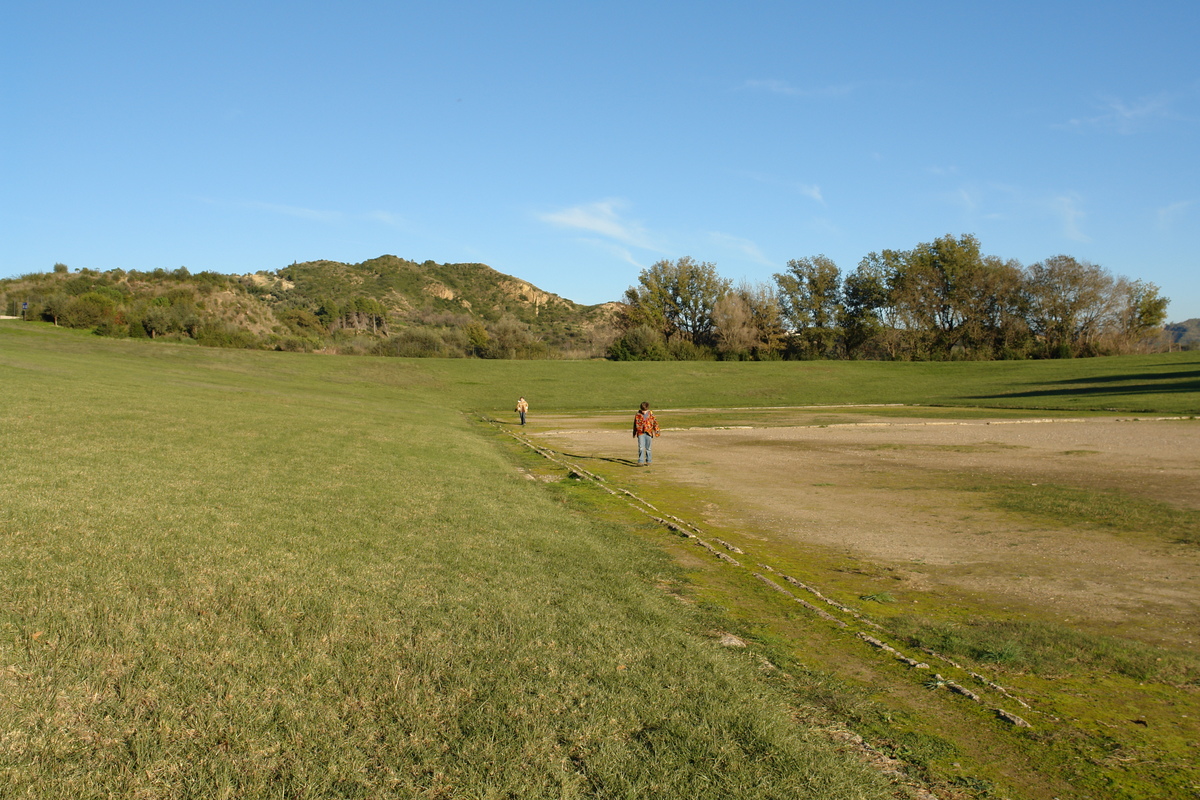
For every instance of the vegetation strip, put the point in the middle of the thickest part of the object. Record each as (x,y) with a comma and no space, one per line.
(678,526)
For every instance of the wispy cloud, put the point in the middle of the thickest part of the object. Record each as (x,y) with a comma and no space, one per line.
(1168,216)
(310,214)
(604,218)
(1127,117)
(784,88)
(389,219)
(968,199)
(622,253)
(323,216)
(1068,208)
(743,246)
(810,190)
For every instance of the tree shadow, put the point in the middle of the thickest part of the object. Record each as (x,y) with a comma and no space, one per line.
(1140,376)
(1109,391)
(1176,382)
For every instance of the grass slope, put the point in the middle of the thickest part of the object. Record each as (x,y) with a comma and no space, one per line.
(1162,384)
(231,573)
(228,573)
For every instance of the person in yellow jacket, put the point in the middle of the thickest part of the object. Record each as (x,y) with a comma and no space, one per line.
(645,428)
(522,407)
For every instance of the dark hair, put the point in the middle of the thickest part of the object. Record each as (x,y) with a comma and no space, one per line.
(645,406)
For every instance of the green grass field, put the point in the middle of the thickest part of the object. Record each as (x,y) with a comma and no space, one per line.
(247,574)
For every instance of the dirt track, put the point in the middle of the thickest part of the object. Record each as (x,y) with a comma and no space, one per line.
(892,491)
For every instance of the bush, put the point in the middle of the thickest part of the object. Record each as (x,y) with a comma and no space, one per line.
(294,344)
(302,322)
(414,343)
(685,350)
(87,310)
(110,328)
(642,343)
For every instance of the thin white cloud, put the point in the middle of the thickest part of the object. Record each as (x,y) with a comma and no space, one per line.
(389,219)
(311,214)
(324,216)
(1068,209)
(968,200)
(743,246)
(605,219)
(620,252)
(810,190)
(823,226)
(786,89)
(1169,216)
(1126,117)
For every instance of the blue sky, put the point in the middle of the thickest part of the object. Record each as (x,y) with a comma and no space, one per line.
(573,144)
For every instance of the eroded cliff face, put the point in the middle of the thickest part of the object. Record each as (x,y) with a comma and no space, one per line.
(443,292)
(530,295)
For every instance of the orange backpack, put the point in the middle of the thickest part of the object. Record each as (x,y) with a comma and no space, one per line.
(646,423)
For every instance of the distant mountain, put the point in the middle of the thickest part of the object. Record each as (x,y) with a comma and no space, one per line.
(387,305)
(1186,334)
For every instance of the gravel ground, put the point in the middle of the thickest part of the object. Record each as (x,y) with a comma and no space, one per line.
(885,490)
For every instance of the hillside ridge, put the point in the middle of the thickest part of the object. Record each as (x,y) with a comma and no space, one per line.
(386,305)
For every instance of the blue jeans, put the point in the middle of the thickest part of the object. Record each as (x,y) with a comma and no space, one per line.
(644,440)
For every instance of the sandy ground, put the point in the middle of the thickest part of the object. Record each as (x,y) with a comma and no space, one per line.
(890,491)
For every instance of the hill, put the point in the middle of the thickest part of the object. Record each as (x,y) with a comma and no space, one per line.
(387,305)
(1186,334)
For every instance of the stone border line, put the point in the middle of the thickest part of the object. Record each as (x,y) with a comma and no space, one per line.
(930,424)
(689,531)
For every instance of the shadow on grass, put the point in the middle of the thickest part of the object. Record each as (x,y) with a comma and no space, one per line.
(1177,382)
(629,462)
(626,461)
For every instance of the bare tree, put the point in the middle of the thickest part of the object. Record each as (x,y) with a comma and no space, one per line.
(734,326)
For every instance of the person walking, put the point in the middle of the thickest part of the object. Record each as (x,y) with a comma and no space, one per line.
(645,428)
(522,407)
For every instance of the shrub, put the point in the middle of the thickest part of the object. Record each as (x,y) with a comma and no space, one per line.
(687,350)
(295,344)
(641,343)
(87,310)
(111,328)
(411,343)
(302,322)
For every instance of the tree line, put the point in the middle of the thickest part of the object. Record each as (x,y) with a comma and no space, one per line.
(940,300)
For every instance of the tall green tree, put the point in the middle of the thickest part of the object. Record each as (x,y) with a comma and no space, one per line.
(676,298)
(993,311)
(934,290)
(1068,301)
(868,310)
(1139,312)
(810,301)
